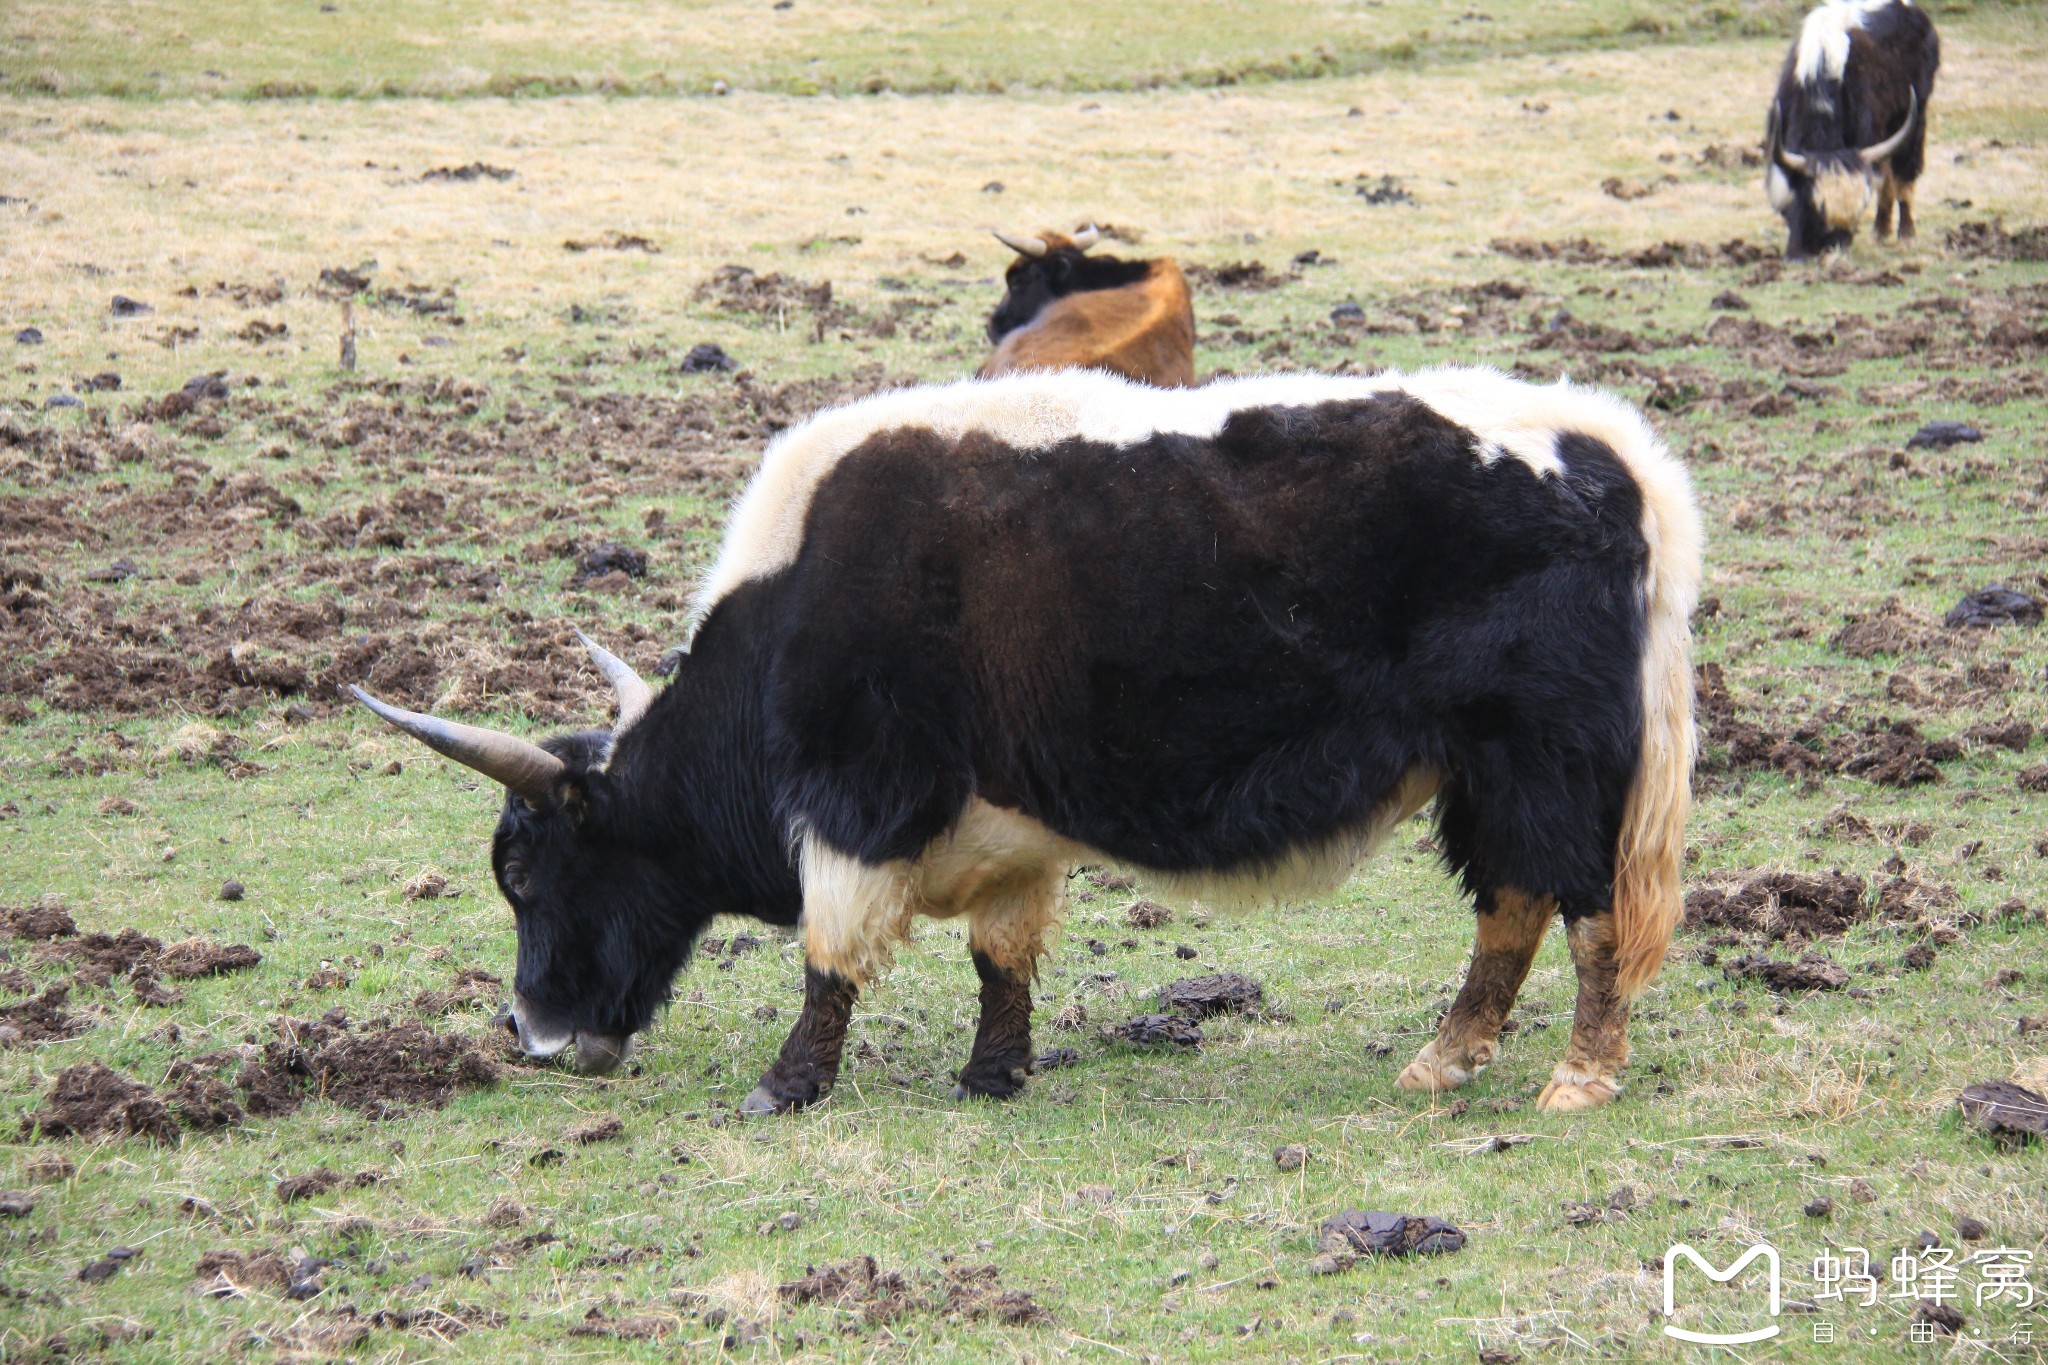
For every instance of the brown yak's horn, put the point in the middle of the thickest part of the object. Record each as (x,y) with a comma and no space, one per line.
(1023,245)
(1087,237)
(634,695)
(1885,148)
(524,768)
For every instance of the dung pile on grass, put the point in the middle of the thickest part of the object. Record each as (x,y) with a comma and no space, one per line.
(381,1074)
(961,1293)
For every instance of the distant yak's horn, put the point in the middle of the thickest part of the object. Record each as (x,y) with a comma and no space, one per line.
(1891,144)
(634,695)
(1021,244)
(523,767)
(1792,161)
(1087,237)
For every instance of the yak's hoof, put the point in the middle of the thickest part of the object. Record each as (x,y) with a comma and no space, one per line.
(766,1098)
(1429,1071)
(763,1101)
(994,1083)
(1563,1096)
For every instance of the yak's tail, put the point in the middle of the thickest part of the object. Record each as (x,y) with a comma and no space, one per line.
(1648,902)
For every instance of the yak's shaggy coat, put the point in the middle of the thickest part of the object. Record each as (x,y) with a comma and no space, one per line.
(960,639)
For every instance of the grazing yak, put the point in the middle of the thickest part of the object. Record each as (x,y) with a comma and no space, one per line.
(962,639)
(1849,121)
(1063,309)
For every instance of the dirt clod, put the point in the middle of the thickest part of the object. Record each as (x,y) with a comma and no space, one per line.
(45,920)
(89,1100)
(858,1285)
(197,957)
(1809,973)
(41,1019)
(1147,914)
(609,557)
(206,1104)
(607,1129)
(17,1203)
(232,890)
(1291,1157)
(1779,905)
(1371,1232)
(1942,435)
(1943,1318)
(379,1074)
(2006,1111)
(231,1271)
(1199,997)
(1152,1030)
(294,1188)
(708,357)
(1997,605)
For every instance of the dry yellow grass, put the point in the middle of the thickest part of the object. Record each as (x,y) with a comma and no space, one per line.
(192,192)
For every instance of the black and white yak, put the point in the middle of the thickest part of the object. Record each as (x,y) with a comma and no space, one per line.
(1064,309)
(960,640)
(1850,121)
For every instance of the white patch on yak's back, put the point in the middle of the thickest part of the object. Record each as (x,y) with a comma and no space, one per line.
(1823,51)
(1036,411)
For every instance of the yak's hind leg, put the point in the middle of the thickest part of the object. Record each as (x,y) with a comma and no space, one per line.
(1006,932)
(1590,1073)
(1511,928)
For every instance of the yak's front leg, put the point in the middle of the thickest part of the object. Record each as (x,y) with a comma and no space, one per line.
(1590,1073)
(1006,932)
(809,1061)
(1510,931)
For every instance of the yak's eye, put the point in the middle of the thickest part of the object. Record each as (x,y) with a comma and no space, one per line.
(517,881)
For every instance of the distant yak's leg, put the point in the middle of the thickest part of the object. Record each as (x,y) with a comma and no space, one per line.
(809,1061)
(1007,935)
(1906,233)
(1510,931)
(1590,1073)
(1887,192)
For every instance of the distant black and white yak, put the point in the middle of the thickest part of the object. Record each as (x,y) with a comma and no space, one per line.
(960,640)
(1850,121)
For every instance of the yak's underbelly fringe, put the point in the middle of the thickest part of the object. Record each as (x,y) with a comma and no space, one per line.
(1007,873)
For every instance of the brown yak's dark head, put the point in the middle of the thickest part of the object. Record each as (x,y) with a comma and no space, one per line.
(1052,265)
(594,905)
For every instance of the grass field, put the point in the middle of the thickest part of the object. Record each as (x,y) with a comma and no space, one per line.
(186,581)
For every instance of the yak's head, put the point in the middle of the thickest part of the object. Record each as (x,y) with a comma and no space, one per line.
(595,909)
(1049,265)
(1822,195)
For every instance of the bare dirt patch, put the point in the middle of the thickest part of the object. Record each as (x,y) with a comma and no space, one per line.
(41,1020)
(382,1074)
(1781,905)
(91,1101)
(1810,973)
(45,920)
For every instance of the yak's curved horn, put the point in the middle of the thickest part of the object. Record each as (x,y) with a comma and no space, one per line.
(1087,237)
(524,767)
(634,695)
(1023,245)
(1871,155)
(1793,161)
